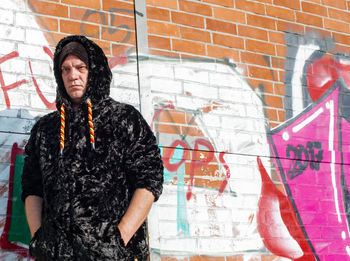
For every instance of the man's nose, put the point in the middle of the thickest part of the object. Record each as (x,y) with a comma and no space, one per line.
(73,74)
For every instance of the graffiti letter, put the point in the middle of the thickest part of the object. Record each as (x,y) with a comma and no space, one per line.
(49,105)
(167,155)
(299,164)
(228,174)
(200,163)
(6,88)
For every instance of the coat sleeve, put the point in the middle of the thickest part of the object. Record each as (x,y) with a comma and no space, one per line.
(31,175)
(144,165)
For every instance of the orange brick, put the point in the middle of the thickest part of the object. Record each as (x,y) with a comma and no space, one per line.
(170,129)
(195,34)
(70,27)
(272,114)
(290,27)
(250,6)
(165,258)
(261,21)
(252,32)
(280,12)
(226,3)
(107,5)
(117,20)
(281,75)
(265,1)
(221,52)
(105,46)
(192,131)
(276,37)
(278,62)
(159,42)
(207,258)
(93,4)
(158,13)
(341,4)
(271,257)
(161,28)
(266,87)
(341,48)
(320,32)
(54,38)
(171,4)
(341,38)
(260,47)
(279,88)
(188,47)
(195,8)
(187,19)
(273,124)
(120,36)
(172,116)
(336,25)
(339,15)
(50,24)
(253,58)
(281,115)
(260,73)
(208,183)
(48,8)
(235,258)
(228,41)
(220,26)
(292,4)
(273,101)
(229,14)
(314,8)
(78,14)
(281,50)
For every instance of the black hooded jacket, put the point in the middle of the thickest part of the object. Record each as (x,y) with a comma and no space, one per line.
(87,190)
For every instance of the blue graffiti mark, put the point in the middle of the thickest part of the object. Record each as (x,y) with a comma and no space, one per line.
(182,220)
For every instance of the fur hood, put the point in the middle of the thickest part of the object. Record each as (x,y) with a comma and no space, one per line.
(100,75)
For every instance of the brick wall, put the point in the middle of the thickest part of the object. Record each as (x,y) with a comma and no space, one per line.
(223,84)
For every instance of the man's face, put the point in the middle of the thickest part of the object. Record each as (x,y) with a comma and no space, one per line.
(74,75)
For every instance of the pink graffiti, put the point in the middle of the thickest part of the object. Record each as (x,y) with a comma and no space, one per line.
(311,154)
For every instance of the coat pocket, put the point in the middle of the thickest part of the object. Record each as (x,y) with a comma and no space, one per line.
(42,245)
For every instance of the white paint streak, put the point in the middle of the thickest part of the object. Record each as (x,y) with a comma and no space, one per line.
(304,52)
(308,120)
(331,148)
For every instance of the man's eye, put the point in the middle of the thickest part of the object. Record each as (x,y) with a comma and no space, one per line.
(82,68)
(65,70)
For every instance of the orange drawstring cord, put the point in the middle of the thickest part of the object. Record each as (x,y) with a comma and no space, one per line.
(91,125)
(62,130)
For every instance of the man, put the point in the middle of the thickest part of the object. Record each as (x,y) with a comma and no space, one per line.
(93,168)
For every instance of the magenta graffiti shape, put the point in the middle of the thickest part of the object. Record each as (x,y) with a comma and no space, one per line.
(308,152)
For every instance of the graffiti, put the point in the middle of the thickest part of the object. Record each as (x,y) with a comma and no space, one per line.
(314,173)
(300,157)
(117,60)
(112,29)
(5,88)
(16,231)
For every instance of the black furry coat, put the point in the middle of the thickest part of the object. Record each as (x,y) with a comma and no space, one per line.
(86,191)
